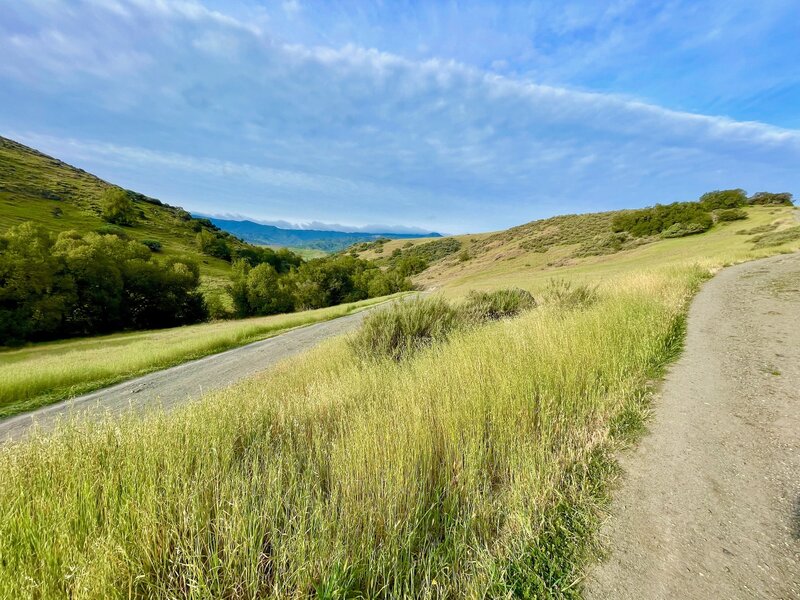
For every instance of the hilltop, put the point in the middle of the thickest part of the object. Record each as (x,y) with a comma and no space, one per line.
(39,188)
(315,239)
(586,245)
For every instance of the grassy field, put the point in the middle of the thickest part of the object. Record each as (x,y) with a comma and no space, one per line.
(472,469)
(44,373)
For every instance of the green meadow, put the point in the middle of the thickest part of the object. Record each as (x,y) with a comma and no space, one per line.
(471,467)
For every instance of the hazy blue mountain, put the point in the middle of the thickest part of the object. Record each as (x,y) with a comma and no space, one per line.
(330,241)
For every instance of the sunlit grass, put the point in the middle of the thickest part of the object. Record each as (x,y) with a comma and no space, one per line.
(471,469)
(44,373)
(331,476)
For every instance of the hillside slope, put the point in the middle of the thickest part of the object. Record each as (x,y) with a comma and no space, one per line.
(328,241)
(582,246)
(36,187)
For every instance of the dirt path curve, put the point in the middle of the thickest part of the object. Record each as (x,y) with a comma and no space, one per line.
(709,506)
(187,381)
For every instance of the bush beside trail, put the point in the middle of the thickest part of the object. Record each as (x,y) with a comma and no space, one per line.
(407,327)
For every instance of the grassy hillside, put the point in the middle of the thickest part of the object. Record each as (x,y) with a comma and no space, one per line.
(471,469)
(577,246)
(39,188)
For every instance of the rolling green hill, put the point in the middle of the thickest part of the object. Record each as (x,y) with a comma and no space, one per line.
(36,187)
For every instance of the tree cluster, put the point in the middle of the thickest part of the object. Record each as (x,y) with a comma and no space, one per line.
(264,289)
(687,218)
(73,284)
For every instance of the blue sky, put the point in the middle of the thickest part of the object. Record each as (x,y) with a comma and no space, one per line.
(447,116)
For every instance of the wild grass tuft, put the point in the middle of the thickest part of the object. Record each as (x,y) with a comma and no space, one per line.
(568,294)
(404,328)
(499,304)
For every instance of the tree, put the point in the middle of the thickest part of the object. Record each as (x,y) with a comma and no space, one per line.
(86,284)
(33,291)
(117,207)
(768,199)
(724,199)
(267,292)
(213,245)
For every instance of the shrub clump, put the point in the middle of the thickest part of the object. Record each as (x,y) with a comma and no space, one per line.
(770,199)
(680,218)
(566,294)
(730,214)
(404,328)
(776,238)
(677,230)
(500,304)
(154,245)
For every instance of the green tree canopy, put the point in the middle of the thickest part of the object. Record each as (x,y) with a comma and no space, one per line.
(117,207)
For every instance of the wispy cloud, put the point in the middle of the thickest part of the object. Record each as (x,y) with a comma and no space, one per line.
(296,129)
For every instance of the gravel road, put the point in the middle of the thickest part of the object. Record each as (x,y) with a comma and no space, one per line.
(184,382)
(709,506)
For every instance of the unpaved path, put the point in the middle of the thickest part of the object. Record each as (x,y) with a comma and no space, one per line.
(710,503)
(184,382)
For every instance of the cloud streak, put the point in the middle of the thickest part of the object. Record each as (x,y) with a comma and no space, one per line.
(305,132)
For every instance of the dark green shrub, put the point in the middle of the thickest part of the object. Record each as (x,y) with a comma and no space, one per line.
(499,304)
(723,199)
(730,214)
(692,217)
(217,308)
(117,207)
(411,265)
(769,199)
(567,294)
(609,244)
(677,230)
(213,244)
(154,245)
(464,256)
(404,328)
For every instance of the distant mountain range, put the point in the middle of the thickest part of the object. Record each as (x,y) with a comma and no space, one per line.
(329,241)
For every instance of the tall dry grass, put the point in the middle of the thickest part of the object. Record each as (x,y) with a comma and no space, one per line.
(43,373)
(468,470)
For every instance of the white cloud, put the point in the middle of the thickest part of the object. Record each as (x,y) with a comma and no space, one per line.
(178,86)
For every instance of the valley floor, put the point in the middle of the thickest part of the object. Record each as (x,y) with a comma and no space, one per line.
(710,505)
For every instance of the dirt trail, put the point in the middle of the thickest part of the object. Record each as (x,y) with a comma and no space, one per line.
(710,503)
(184,382)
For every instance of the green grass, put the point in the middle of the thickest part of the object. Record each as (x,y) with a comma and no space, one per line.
(473,468)
(500,262)
(40,374)
(470,469)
